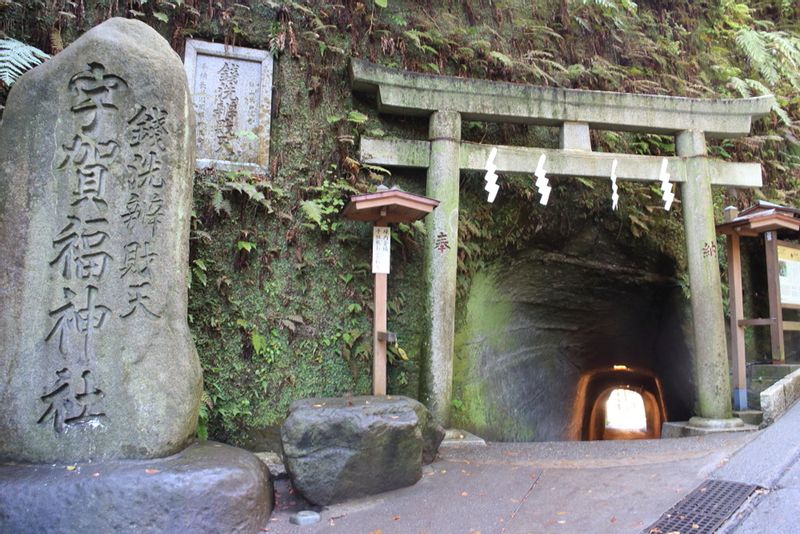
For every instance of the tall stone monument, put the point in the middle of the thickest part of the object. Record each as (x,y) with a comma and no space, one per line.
(97,362)
(97,154)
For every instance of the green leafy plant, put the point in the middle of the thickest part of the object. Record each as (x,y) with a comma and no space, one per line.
(17,57)
(323,211)
(206,405)
(775,56)
(198,272)
(247,246)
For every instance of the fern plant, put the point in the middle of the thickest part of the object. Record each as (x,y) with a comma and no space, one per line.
(17,57)
(775,56)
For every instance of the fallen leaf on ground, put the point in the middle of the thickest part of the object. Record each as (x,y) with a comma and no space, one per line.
(71,467)
(613,519)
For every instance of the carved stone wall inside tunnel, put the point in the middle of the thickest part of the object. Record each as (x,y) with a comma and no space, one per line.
(534,327)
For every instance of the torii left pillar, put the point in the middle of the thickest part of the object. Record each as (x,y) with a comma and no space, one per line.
(441,260)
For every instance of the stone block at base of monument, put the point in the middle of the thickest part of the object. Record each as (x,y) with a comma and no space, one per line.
(101,382)
(337,449)
(207,487)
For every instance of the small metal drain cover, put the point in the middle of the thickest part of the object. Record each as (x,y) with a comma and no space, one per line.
(704,509)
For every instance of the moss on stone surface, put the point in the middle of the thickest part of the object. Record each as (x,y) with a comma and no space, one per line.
(290,317)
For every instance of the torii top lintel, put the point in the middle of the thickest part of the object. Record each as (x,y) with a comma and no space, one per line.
(409,93)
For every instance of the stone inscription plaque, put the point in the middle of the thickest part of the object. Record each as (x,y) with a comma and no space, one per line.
(96,160)
(232,92)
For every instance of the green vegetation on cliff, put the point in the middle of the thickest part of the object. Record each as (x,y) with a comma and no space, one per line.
(281,289)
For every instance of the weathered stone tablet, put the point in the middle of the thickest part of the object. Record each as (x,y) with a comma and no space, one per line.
(96,167)
(231,88)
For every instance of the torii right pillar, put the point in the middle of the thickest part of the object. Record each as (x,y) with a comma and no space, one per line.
(712,383)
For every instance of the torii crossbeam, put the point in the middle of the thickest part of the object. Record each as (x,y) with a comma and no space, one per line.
(448,100)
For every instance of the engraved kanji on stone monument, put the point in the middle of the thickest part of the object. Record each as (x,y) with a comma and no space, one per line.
(232,93)
(96,164)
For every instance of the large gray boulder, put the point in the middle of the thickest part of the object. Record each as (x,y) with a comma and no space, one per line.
(96,169)
(207,487)
(342,448)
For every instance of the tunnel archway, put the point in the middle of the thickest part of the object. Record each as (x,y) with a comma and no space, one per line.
(534,324)
(595,387)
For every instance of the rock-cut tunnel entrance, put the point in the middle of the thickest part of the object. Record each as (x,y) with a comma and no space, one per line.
(539,337)
(617,403)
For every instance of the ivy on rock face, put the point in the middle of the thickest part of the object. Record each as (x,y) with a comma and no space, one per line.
(281,287)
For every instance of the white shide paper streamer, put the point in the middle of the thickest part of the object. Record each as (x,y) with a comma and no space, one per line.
(666,187)
(542,183)
(614,188)
(491,178)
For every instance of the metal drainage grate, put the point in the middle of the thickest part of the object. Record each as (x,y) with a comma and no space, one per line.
(704,509)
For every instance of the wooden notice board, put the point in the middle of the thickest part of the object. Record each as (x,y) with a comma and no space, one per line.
(789,274)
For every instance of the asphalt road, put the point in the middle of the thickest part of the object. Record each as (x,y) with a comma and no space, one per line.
(564,487)
(576,487)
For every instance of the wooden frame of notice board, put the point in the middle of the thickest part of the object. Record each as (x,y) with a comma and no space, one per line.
(762,219)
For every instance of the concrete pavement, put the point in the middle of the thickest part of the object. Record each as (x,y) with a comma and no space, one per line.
(576,487)
(772,461)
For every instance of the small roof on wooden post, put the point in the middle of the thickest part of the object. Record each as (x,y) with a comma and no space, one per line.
(400,206)
(759,218)
(381,208)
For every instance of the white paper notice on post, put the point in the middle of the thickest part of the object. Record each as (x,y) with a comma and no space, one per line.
(381,238)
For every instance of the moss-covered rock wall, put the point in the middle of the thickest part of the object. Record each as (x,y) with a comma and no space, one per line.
(281,287)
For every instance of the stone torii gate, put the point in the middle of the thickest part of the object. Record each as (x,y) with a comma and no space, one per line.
(446,101)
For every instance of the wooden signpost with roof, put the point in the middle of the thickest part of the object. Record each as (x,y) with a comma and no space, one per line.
(782,258)
(383,208)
